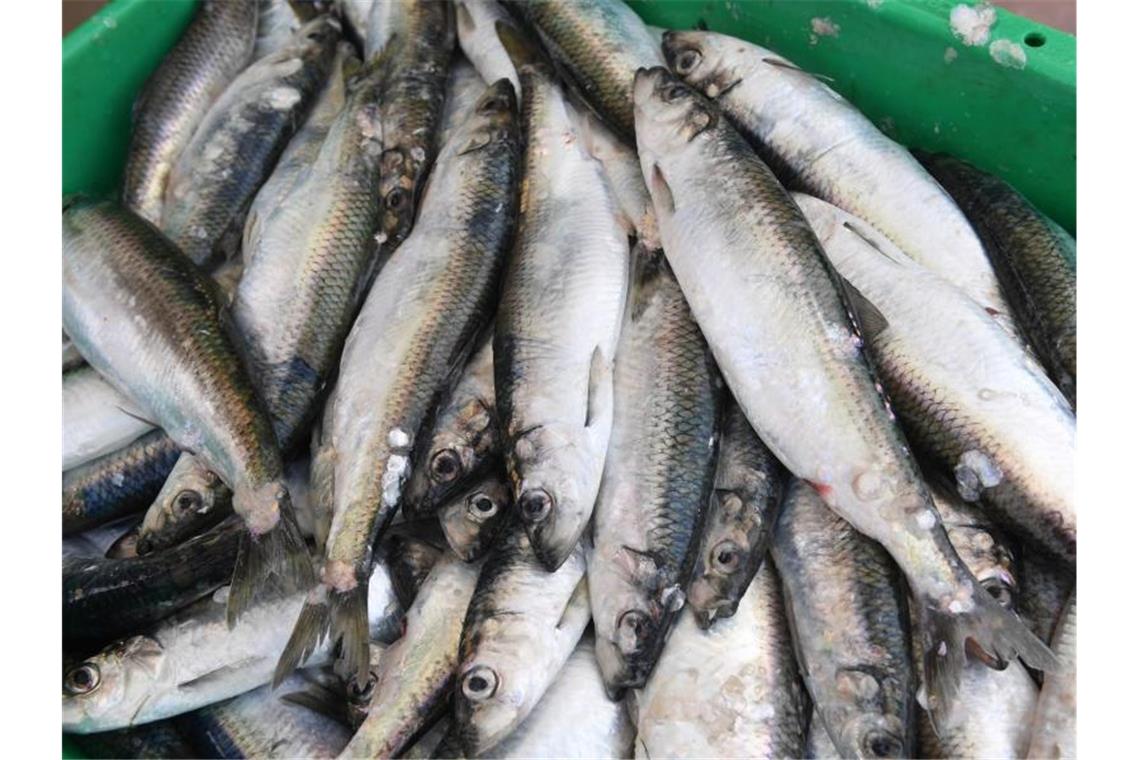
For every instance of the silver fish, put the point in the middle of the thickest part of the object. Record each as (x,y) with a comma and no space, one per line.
(97,419)
(1054,732)
(192,499)
(472,520)
(475,23)
(464,86)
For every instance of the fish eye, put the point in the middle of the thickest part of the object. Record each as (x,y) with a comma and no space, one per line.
(82,679)
(481,506)
(396,199)
(535,505)
(725,557)
(676,92)
(633,627)
(882,744)
(445,466)
(493,105)
(686,61)
(187,500)
(999,591)
(480,683)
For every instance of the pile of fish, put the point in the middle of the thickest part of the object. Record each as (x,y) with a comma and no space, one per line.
(478,379)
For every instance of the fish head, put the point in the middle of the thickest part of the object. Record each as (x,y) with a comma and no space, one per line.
(670,117)
(493,117)
(872,734)
(471,521)
(192,499)
(464,439)
(409,560)
(711,63)
(493,688)
(983,548)
(732,547)
(111,688)
(863,715)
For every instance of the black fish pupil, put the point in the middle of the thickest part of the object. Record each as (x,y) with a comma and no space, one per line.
(477,683)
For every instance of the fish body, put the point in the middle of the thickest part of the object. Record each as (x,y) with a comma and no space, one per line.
(238,142)
(464,86)
(213,50)
(521,626)
(413,336)
(1043,591)
(277,21)
(729,691)
(191,500)
(475,24)
(97,419)
(147,319)
(760,288)
(1054,732)
(745,503)
(848,613)
(1034,258)
(969,396)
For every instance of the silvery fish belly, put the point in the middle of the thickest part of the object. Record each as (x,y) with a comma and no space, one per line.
(475,23)
(213,50)
(558,322)
(760,288)
(1054,732)
(97,419)
(658,476)
(731,691)
(307,264)
(239,140)
(419,323)
(969,396)
(818,142)
(464,86)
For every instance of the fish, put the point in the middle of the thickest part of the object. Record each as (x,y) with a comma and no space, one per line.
(422,35)
(264,723)
(658,476)
(354,15)
(105,598)
(1054,732)
(160,739)
(597,45)
(464,86)
(558,321)
(995,707)
(819,745)
(475,22)
(729,691)
(747,494)
(71,356)
(99,541)
(411,554)
(463,443)
(277,22)
(473,520)
(416,673)
(819,143)
(760,288)
(97,419)
(521,627)
(969,396)
(216,46)
(194,658)
(848,613)
(167,350)
(1044,589)
(1034,258)
(117,484)
(192,499)
(304,280)
(413,336)
(239,140)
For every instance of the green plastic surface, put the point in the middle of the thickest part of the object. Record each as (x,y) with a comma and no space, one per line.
(897,60)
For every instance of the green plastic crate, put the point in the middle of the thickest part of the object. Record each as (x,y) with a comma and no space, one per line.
(897,60)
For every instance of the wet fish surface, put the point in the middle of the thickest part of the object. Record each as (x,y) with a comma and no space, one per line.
(472,521)
(191,500)
(1054,732)
(97,419)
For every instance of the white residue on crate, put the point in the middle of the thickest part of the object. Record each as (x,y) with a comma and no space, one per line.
(824,27)
(1008,53)
(874,4)
(972,24)
(950,55)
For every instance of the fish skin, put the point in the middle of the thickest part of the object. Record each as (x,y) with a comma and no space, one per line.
(411,556)
(168,351)
(71,356)
(277,22)
(463,442)
(312,254)
(472,521)
(819,143)
(464,86)
(1034,259)
(354,15)
(729,691)
(743,509)
(97,419)
(191,500)
(475,26)
(848,615)
(160,739)
(521,627)
(598,45)
(658,476)
(417,61)
(416,673)
(969,396)
(117,484)
(1054,732)
(1044,590)
(558,321)
(712,193)
(213,50)
(239,140)
(399,361)
(194,658)
(105,598)
(819,745)
(983,547)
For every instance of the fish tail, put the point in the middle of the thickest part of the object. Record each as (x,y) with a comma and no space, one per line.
(982,629)
(349,626)
(310,630)
(277,558)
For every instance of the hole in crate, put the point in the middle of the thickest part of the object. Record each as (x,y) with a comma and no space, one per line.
(1035,39)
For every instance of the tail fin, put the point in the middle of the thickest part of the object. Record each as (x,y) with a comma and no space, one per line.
(987,631)
(310,630)
(278,555)
(349,626)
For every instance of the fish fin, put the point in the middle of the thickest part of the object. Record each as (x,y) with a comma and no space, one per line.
(985,630)
(309,631)
(218,673)
(577,606)
(599,388)
(870,320)
(321,701)
(349,627)
(521,50)
(867,238)
(782,64)
(659,189)
(279,555)
(138,417)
